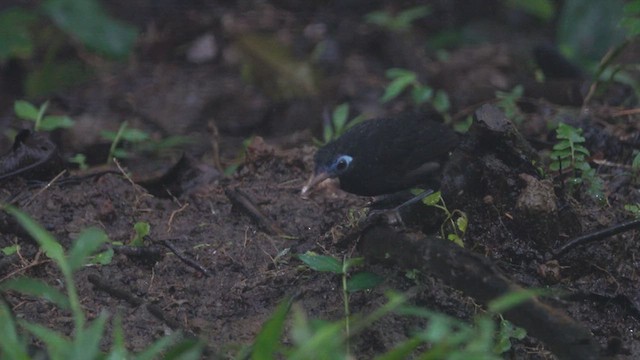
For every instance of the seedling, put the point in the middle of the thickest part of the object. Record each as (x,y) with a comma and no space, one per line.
(457,219)
(140,140)
(123,133)
(356,282)
(141,229)
(508,102)
(240,158)
(402,79)
(80,160)
(337,124)
(570,153)
(27,111)
(86,337)
(10,250)
(400,22)
(444,337)
(633,209)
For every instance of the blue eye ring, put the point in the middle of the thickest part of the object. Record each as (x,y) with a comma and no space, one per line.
(342,163)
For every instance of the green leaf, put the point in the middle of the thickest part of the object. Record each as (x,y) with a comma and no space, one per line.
(396,87)
(401,351)
(103,258)
(327,133)
(38,288)
(87,21)
(25,110)
(564,145)
(352,262)
(326,340)
(10,250)
(421,94)
(15,37)
(400,22)
(406,17)
(268,339)
(432,199)
(321,262)
(455,239)
(86,244)
(339,118)
(49,244)
(441,102)
(142,229)
(58,346)
(542,9)
(633,208)
(186,349)
(380,18)
(506,332)
(395,73)
(50,123)
(118,348)
(86,344)
(154,350)
(462,223)
(11,344)
(135,135)
(363,281)
(440,328)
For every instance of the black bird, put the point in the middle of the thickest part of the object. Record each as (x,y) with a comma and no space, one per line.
(384,156)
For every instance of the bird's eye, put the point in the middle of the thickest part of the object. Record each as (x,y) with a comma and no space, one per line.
(342,163)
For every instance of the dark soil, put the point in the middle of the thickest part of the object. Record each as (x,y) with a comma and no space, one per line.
(236,236)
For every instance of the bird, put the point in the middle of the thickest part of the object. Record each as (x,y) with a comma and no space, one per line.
(385,156)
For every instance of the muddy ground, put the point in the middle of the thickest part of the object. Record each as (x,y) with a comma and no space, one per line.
(240,266)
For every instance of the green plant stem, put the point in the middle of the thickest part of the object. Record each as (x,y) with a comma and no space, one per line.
(606,61)
(74,302)
(116,140)
(41,113)
(345,296)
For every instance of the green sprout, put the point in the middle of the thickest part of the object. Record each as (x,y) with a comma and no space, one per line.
(240,158)
(350,283)
(338,124)
(80,160)
(570,153)
(27,111)
(87,337)
(508,102)
(400,22)
(402,79)
(123,134)
(141,229)
(444,337)
(457,219)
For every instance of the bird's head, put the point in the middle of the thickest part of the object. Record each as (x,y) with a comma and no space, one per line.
(328,164)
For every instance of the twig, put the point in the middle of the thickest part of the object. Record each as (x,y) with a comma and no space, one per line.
(626,112)
(117,293)
(124,173)
(173,213)
(23,269)
(595,236)
(184,259)
(44,188)
(241,200)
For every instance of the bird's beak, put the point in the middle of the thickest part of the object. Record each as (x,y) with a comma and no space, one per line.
(313,181)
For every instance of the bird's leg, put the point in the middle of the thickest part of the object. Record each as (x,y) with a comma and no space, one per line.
(393,214)
(414,199)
